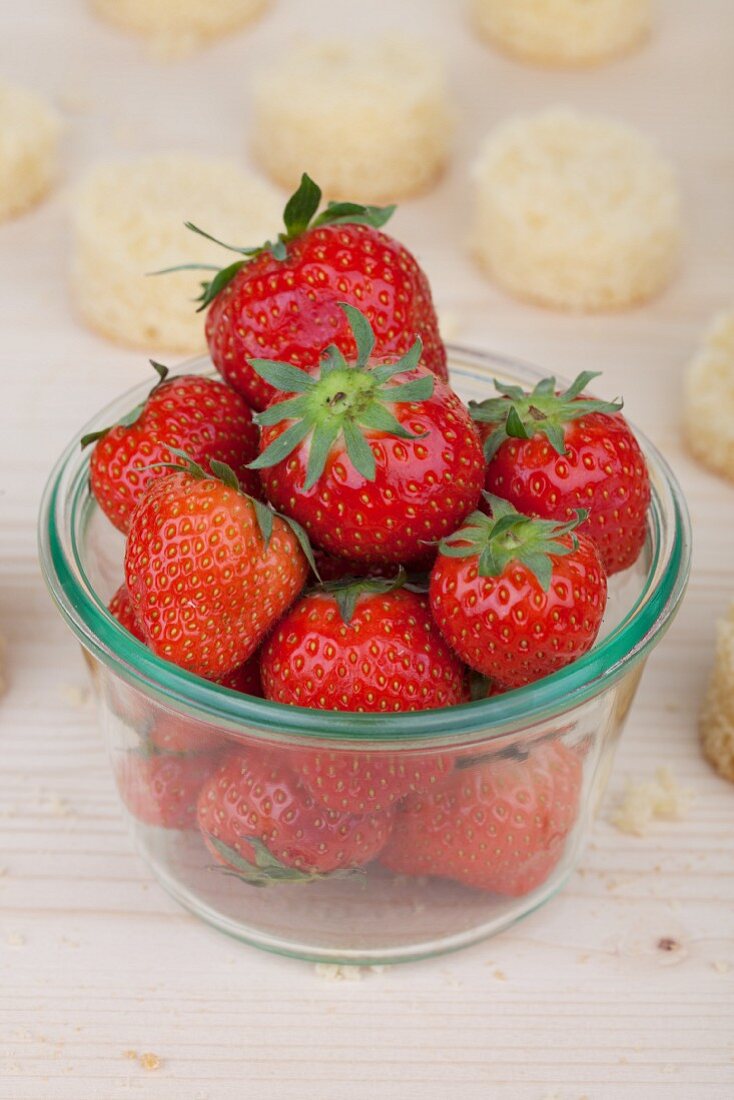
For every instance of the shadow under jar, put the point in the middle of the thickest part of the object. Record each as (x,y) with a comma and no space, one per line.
(551,742)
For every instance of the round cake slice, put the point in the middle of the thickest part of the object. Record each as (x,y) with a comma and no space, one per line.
(716,722)
(563,32)
(708,414)
(175,28)
(575,211)
(369,121)
(128,221)
(29,138)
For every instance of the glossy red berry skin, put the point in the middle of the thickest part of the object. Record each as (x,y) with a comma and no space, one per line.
(288,310)
(255,794)
(603,470)
(204,587)
(510,629)
(201,416)
(422,490)
(389,658)
(500,825)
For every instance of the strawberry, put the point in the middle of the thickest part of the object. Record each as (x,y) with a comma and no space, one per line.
(121,608)
(209,569)
(499,825)
(257,819)
(368,646)
(162,788)
(551,453)
(280,300)
(173,732)
(202,416)
(373,465)
(518,597)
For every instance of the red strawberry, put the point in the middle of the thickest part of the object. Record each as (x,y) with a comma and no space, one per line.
(173,732)
(280,301)
(257,818)
(162,788)
(551,453)
(122,609)
(209,569)
(201,416)
(499,825)
(368,646)
(518,598)
(372,466)
(367,782)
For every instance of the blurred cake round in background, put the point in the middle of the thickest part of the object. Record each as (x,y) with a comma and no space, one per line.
(716,722)
(563,32)
(175,28)
(708,408)
(29,140)
(370,122)
(575,211)
(128,221)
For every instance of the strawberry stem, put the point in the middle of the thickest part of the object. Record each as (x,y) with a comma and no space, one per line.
(508,536)
(522,414)
(342,400)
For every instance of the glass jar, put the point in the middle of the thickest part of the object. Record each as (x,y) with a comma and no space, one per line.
(432,879)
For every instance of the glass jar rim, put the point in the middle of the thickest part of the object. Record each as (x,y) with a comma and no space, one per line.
(65,509)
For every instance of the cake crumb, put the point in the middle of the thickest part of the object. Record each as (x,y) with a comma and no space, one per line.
(3,872)
(721,966)
(337,972)
(15,939)
(150,1061)
(131,1054)
(660,797)
(499,975)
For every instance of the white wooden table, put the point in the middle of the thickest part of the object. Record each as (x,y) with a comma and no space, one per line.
(95,961)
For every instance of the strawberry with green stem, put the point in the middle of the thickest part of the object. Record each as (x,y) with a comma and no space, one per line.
(261,823)
(210,569)
(376,459)
(199,415)
(518,597)
(550,453)
(280,300)
(370,646)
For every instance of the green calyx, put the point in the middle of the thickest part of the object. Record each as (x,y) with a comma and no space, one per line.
(134,414)
(348,590)
(509,536)
(299,215)
(342,401)
(264,514)
(266,870)
(522,414)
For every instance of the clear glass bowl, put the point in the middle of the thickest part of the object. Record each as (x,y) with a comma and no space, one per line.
(372,915)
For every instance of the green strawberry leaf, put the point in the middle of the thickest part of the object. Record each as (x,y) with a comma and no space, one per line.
(508,536)
(301,207)
(522,414)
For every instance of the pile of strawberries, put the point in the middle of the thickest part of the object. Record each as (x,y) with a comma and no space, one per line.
(331,527)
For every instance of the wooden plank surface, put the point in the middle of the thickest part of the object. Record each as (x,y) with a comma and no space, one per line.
(95,961)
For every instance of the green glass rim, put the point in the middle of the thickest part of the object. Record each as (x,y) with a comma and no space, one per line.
(65,511)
